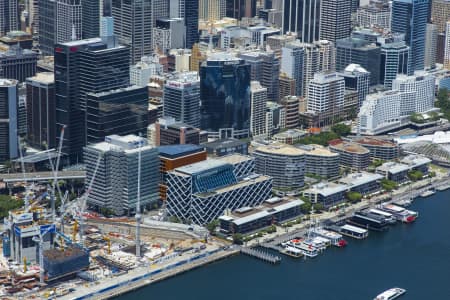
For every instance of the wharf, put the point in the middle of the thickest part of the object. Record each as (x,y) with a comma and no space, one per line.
(262,255)
(427,194)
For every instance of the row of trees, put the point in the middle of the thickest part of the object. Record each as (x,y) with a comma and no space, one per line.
(337,131)
(8,203)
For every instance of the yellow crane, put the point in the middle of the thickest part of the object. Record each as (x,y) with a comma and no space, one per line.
(108,241)
(74,231)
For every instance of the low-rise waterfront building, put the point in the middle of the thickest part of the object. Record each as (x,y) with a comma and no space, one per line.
(417,162)
(362,182)
(394,171)
(250,219)
(290,136)
(352,155)
(326,193)
(201,192)
(320,161)
(379,148)
(284,163)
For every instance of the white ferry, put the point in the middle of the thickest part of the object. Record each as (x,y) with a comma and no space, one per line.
(307,249)
(391,294)
(387,216)
(335,238)
(401,213)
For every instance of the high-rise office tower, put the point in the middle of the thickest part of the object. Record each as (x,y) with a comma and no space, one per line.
(182,98)
(9,16)
(440,13)
(41,113)
(264,68)
(292,60)
(225,96)
(115,185)
(303,18)
(258,99)
(239,9)
(291,108)
(91,14)
(81,67)
(361,52)
(121,111)
(326,94)
(60,21)
(409,17)
(211,10)
(188,11)
(169,33)
(374,15)
(134,21)
(357,79)
(8,119)
(447,46)
(430,46)
(335,19)
(394,60)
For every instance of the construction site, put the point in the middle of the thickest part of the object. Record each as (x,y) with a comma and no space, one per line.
(50,252)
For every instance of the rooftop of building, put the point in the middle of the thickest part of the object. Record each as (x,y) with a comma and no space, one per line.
(246,181)
(351,68)
(417,76)
(120,90)
(327,188)
(393,167)
(224,143)
(127,143)
(43,77)
(268,207)
(82,42)
(415,160)
(200,167)
(348,146)
(360,178)
(8,82)
(371,141)
(235,158)
(280,149)
(16,51)
(290,133)
(175,151)
(317,150)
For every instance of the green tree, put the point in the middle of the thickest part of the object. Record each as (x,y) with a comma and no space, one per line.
(211,226)
(354,197)
(376,163)
(174,219)
(388,185)
(8,203)
(237,238)
(417,118)
(271,229)
(341,129)
(306,207)
(107,212)
(318,207)
(415,175)
(432,174)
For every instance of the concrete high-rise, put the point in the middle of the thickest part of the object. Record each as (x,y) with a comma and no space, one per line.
(409,17)
(181,98)
(303,18)
(89,66)
(440,12)
(134,21)
(335,19)
(9,16)
(374,15)
(291,108)
(212,10)
(423,84)
(188,11)
(258,99)
(8,119)
(115,185)
(225,96)
(41,112)
(17,63)
(91,14)
(292,61)
(447,46)
(357,79)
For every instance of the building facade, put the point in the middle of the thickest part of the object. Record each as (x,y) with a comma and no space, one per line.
(357,79)
(9,16)
(394,60)
(302,17)
(115,185)
(352,155)
(292,61)
(258,99)
(17,63)
(335,19)
(9,142)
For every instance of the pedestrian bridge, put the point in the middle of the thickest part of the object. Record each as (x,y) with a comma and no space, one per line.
(41,176)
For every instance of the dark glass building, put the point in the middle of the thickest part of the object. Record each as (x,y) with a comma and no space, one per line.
(239,9)
(18,63)
(303,18)
(90,18)
(81,67)
(361,52)
(191,22)
(116,112)
(8,119)
(225,96)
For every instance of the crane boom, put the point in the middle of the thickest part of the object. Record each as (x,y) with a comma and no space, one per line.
(55,171)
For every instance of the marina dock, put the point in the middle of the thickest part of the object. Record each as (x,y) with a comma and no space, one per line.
(262,255)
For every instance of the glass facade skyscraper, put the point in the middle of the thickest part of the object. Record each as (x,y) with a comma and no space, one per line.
(409,17)
(303,18)
(225,96)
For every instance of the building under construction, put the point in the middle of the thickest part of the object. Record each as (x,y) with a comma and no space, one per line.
(59,263)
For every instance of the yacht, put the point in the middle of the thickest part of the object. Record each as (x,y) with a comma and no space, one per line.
(402,214)
(391,294)
(387,216)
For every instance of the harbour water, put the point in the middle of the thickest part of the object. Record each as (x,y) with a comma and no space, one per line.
(412,256)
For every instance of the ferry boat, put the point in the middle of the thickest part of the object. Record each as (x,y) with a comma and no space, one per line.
(401,213)
(368,220)
(336,239)
(315,243)
(387,216)
(307,249)
(354,231)
(292,251)
(390,294)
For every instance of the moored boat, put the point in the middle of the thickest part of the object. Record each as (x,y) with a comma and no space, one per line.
(401,213)
(390,294)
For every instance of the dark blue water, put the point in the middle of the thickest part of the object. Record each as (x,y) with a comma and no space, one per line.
(412,256)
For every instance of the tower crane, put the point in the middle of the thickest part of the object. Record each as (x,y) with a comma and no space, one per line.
(27,186)
(55,173)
